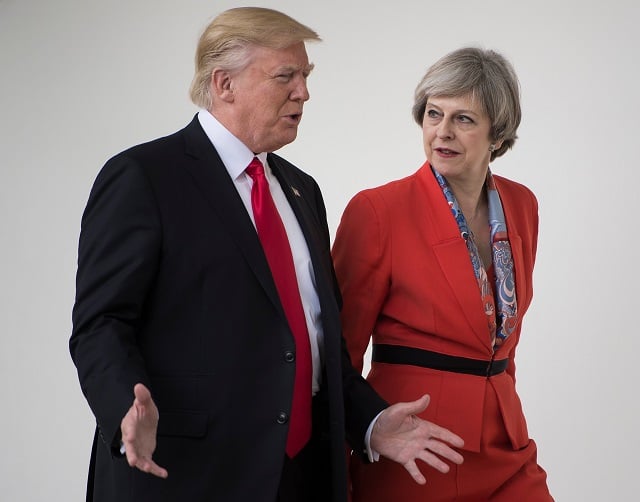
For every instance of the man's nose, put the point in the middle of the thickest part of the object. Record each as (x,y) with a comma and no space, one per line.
(300,92)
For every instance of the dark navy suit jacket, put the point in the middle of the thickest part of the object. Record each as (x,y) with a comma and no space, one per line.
(174,291)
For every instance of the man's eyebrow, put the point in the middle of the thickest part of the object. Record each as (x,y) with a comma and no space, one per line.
(293,68)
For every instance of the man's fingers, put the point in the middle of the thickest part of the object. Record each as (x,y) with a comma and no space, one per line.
(446,435)
(412,469)
(444,451)
(149,466)
(434,461)
(422,403)
(414,407)
(141,393)
(154,469)
(145,464)
(132,458)
(138,429)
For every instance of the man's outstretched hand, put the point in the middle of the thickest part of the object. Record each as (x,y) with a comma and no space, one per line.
(139,427)
(400,435)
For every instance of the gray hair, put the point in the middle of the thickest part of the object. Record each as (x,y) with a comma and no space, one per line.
(491,81)
(227,41)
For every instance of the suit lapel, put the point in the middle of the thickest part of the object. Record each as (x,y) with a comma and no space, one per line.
(451,251)
(304,202)
(212,179)
(299,201)
(513,224)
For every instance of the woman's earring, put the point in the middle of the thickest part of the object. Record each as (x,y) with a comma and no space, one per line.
(492,147)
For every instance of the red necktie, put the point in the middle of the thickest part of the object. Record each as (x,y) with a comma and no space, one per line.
(275,244)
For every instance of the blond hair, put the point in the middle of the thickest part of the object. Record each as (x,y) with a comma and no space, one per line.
(227,41)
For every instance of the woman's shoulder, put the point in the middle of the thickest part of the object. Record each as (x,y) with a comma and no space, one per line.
(397,189)
(505,185)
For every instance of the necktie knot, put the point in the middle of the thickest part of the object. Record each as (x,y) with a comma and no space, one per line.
(255,168)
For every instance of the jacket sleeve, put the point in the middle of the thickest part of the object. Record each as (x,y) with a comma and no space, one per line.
(361,402)
(532,221)
(360,263)
(361,258)
(118,254)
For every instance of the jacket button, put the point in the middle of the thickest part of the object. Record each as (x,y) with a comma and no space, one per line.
(289,356)
(282,418)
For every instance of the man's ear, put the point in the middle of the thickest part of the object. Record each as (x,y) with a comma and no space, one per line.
(222,85)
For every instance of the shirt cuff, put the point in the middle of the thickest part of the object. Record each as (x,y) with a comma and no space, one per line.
(373,455)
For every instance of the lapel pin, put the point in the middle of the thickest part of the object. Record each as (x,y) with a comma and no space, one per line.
(295,191)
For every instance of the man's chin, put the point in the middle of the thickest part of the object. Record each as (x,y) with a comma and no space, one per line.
(283,140)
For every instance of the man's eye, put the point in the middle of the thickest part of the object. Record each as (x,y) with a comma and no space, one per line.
(284,77)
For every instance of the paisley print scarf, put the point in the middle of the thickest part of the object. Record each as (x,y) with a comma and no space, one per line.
(499,301)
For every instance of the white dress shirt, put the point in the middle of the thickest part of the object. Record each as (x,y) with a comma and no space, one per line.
(236,157)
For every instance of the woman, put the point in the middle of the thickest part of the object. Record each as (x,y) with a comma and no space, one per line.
(436,269)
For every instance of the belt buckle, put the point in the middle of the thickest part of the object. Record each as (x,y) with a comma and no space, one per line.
(489,367)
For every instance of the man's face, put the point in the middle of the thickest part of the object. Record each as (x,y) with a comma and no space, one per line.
(268,96)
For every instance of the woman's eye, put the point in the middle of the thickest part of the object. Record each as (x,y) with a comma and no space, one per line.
(432,114)
(464,119)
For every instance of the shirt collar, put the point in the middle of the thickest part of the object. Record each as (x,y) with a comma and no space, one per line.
(234,153)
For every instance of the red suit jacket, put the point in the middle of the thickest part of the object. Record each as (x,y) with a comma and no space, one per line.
(406,279)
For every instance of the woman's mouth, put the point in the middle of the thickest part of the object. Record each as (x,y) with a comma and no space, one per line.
(446,152)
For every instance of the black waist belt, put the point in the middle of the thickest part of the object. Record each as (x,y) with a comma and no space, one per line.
(398,354)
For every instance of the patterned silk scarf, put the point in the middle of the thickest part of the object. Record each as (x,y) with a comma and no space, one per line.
(501,307)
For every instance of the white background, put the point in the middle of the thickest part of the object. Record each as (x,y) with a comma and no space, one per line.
(81,80)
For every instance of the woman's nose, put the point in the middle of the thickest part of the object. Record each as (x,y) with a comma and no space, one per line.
(444,130)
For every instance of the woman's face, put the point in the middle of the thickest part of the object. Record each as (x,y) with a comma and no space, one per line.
(455,132)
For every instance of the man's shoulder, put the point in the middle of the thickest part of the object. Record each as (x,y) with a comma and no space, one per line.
(281,165)
(159,148)
(158,159)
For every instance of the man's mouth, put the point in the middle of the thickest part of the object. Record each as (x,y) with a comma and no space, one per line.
(294,117)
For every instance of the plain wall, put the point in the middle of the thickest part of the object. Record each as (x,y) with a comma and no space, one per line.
(82,80)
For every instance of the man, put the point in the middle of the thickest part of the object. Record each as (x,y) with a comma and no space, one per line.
(200,337)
